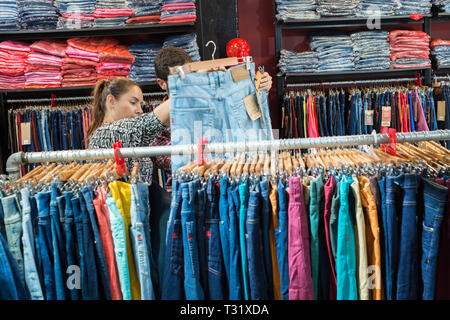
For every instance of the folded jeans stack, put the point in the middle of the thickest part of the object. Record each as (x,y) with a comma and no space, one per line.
(443,5)
(337,8)
(115,62)
(377,8)
(82,58)
(187,42)
(145,11)
(371,50)
(44,64)
(13,57)
(75,14)
(143,68)
(178,12)
(111,17)
(441,52)
(38,15)
(296,9)
(335,51)
(408,7)
(293,62)
(9,15)
(409,49)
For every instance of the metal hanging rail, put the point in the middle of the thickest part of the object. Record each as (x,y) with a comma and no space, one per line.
(39,100)
(17,159)
(356,82)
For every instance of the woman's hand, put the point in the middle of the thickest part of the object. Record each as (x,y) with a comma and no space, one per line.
(266,82)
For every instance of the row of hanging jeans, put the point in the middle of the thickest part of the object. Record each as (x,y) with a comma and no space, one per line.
(324,237)
(359,111)
(49,129)
(81,243)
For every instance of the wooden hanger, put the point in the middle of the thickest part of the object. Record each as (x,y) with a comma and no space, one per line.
(288,163)
(260,165)
(234,166)
(246,168)
(240,166)
(253,164)
(135,171)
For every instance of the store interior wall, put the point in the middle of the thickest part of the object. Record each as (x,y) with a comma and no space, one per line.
(256,26)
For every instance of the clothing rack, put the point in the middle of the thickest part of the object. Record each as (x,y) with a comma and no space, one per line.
(17,159)
(64,99)
(356,82)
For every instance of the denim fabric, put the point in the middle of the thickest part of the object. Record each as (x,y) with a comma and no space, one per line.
(13,227)
(335,205)
(45,244)
(335,51)
(220,115)
(187,42)
(78,219)
(72,251)
(100,260)
(201,235)
(337,8)
(140,239)
(192,287)
(243,197)
(29,253)
(371,50)
(390,222)
(224,226)
(281,235)
(235,280)
(255,253)
(408,263)
(92,289)
(434,198)
(9,15)
(2,222)
(347,288)
(35,225)
(120,250)
(172,286)
(217,289)
(11,286)
(298,9)
(265,218)
(59,263)
(413,7)
(291,61)
(143,67)
(441,53)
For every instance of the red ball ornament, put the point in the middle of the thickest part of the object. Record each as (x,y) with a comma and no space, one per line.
(238,48)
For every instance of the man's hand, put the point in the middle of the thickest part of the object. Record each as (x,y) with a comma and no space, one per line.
(266,82)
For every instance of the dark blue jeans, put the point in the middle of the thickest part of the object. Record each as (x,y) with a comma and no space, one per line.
(192,287)
(281,241)
(102,269)
(72,251)
(408,267)
(216,271)
(392,236)
(35,223)
(45,244)
(11,286)
(265,215)
(201,236)
(235,283)
(434,198)
(172,286)
(58,247)
(2,223)
(256,265)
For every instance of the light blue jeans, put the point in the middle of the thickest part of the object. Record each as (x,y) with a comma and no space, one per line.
(118,234)
(140,238)
(211,105)
(31,275)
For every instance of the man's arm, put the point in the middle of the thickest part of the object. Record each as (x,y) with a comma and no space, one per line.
(162,112)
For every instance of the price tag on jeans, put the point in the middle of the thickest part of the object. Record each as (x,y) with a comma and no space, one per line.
(386,117)
(25,132)
(368,118)
(441,111)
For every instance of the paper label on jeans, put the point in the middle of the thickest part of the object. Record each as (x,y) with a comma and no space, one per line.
(441,111)
(369,118)
(386,117)
(239,74)
(252,107)
(25,132)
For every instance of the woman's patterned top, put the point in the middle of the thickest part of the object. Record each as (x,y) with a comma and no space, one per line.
(133,132)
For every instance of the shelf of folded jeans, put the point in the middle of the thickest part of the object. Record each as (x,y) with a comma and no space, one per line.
(442,70)
(98,32)
(69,90)
(349,75)
(346,22)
